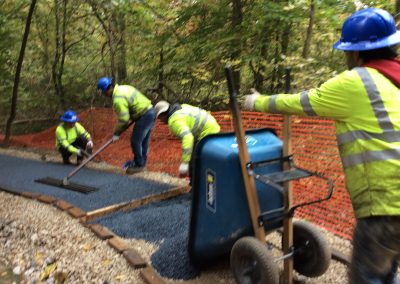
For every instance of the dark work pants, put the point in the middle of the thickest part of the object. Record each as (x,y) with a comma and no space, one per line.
(80,142)
(140,139)
(376,250)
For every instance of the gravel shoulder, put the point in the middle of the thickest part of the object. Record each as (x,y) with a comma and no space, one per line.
(37,241)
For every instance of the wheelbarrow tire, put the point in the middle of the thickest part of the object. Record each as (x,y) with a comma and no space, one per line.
(251,262)
(312,252)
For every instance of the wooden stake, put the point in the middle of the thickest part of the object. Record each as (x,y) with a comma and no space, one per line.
(287,222)
(137,202)
(249,184)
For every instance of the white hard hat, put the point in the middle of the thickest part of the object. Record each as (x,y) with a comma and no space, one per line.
(160,107)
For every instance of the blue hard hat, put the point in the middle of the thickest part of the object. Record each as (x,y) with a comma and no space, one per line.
(368,29)
(103,84)
(69,116)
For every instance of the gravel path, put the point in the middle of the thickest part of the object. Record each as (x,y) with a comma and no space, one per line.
(37,241)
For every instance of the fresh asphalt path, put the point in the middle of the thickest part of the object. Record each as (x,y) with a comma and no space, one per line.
(165,224)
(19,175)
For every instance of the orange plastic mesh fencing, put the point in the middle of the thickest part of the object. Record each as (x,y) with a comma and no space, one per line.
(314,148)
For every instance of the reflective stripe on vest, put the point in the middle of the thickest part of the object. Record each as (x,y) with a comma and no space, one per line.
(130,101)
(388,134)
(197,127)
(305,103)
(272,104)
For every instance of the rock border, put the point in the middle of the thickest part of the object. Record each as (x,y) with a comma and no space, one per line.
(148,273)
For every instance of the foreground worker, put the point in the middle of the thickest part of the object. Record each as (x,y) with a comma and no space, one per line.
(365,104)
(72,138)
(190,124)
(131,105)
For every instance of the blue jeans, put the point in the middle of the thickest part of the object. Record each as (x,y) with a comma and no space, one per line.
(376,250)
(140,139)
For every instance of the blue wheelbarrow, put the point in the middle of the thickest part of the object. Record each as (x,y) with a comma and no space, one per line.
(240,194)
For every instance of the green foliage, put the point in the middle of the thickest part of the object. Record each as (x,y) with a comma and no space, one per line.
(175,49)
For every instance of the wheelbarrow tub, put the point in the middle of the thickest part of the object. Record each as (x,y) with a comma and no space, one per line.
(220,213)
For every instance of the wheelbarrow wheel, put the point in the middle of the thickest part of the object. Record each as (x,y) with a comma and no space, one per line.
(251,262)
(312,252)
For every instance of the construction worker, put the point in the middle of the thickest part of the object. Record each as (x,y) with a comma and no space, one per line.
(190,124)
(365,104)
(72,138)
(131,105)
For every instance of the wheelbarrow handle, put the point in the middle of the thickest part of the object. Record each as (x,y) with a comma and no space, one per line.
(231,85)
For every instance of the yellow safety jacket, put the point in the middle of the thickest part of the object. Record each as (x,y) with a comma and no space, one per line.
(366,108)
(191,124)
(129,104)
(66,136)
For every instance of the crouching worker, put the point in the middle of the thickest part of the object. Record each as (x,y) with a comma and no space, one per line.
(72,138)
(190,124)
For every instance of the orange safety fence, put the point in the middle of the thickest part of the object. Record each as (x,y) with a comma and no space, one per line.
(314,148)
(313,143)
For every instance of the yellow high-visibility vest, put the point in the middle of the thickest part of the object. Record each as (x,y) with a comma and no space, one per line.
(191,124)
(66,136)
(366,108)
(129,104)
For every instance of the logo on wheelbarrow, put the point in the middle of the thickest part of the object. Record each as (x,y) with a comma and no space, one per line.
(250,141)
(211,196)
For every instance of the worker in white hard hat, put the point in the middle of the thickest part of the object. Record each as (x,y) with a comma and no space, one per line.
(190,124)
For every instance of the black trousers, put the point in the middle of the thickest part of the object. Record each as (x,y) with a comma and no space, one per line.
(80,143)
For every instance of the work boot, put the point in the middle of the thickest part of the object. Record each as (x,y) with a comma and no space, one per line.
(66,162)
(134,170)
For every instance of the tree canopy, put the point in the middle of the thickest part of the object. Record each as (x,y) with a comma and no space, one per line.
(173,50)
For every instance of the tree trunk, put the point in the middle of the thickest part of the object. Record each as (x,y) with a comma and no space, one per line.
(122,73)
(397,15)
(59,53)
(17,75)
(161,74)
(307,43)
(108,28)
(237,18)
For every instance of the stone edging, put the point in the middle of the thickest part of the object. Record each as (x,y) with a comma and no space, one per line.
(148,274)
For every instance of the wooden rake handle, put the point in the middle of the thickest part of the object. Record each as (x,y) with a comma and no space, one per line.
(91,157)
(249,184)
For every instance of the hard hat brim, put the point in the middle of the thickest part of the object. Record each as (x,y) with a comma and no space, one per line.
(368,45)
(69,120)
(162,110)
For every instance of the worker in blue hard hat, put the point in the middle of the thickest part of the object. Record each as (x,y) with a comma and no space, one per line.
(365,104)
(131,105)
(72,138)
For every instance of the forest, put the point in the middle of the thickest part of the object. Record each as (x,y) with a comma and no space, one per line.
(53,51)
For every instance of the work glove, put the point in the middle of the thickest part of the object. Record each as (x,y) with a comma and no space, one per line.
(82,153)
(249,101)
(183,169)
(89,144)
(115,138)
